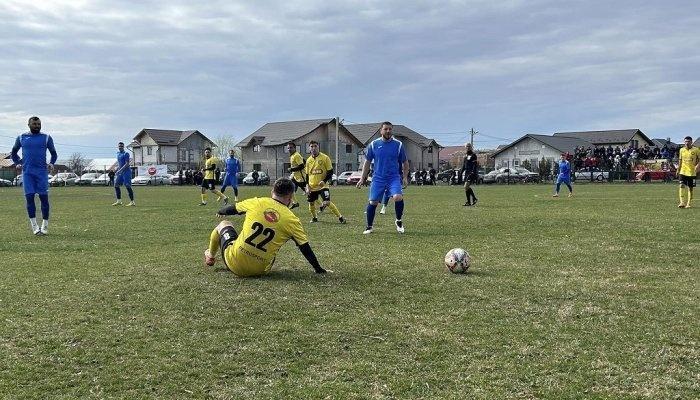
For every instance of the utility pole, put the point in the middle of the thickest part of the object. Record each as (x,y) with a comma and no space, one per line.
(337,122)
(472,132)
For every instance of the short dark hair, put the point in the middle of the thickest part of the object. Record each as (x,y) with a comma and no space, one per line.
(387,123)
(291,144)
(120,143)
(208,148)
(313,142)
(688,138)
(33,118)
(283,187)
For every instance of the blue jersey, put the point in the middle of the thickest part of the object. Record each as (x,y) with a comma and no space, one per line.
(388,157)
(122,160)
(34,146)
(564,169)
(232,166)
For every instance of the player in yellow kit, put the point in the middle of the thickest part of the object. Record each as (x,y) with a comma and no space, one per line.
(268,224)
(319,171)
(209,181)
(688,169)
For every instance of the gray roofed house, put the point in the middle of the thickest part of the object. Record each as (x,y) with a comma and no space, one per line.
(697,142)
(422,152)
(620,137)
(265,149)
(664,142)
(176,149)
(533,148)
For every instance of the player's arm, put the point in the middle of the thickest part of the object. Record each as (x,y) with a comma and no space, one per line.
(299,167)
(15,153)
(365,174)
(52,150)
(230,210)
(311,258)
(329,176)
(405,173)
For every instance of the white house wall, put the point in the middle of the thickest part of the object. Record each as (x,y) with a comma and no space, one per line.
(528,149)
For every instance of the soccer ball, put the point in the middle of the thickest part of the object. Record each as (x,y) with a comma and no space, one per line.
(457,261)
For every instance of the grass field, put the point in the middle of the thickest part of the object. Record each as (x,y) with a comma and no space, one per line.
(591,297)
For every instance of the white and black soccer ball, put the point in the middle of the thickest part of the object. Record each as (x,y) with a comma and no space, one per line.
(457,261)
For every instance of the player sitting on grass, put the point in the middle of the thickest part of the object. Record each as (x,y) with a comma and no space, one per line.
(268,224)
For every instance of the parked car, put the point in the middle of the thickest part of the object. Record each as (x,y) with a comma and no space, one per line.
(355,177)
(503,175)
(586,173)
(343,177)
(263,179)
(648,176)
(18,180)
(63,179)
(445,175)
(102,180)
(150,180)
(87,178)
(528,176)
(5,182)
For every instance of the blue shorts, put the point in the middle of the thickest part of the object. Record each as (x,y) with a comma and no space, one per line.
(377,189)
(35,182)
(230,180)
(123,179)
(564,179)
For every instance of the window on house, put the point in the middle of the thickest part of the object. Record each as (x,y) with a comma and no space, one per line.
(635,144)
(348,167)
(348,148)
(430,165)
(257,167)
(516,163)
(430,149)
(286,166)
(256,148)
(149,150)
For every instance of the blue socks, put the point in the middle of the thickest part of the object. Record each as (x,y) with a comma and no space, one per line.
(31,207)
(399,209)
(131,193)
(118,190)
(44,198)
(371,210)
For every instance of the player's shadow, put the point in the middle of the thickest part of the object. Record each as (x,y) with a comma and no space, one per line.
(276,275)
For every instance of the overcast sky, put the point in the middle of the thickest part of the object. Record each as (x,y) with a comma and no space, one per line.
(97,72)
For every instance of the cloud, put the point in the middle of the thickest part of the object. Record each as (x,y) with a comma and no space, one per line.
(506,67)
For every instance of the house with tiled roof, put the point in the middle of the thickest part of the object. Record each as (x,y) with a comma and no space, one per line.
(176,149)
(266,148)
(422,152)
(533,148)
(619,137)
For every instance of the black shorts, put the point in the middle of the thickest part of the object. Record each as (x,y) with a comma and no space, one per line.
(324,193)
(299,185)
(471,178)
(686,180)
(227,236)
(209,184)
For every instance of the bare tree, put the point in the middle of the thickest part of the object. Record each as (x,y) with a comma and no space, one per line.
(224,144)
(77,163)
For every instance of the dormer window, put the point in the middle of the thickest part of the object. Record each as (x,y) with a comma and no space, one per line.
(256,148)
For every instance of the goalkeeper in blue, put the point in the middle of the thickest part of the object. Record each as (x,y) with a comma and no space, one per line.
(123,174)
(35,171)
(233,166)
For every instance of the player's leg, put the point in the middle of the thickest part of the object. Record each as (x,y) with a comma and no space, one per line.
(690,194)
(42,189)
(376,191)
(129,190)
(295,203)
(571,189)
(396,192)
(28,185)
(219,237)
(385,201)
(326,196)
(557,187)
(312,198)
(204,193)
(467,189)
(235,189)
(118,190)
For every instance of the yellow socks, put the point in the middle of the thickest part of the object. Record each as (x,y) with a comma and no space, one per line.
(204,197)
(334,209)
(312,209)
